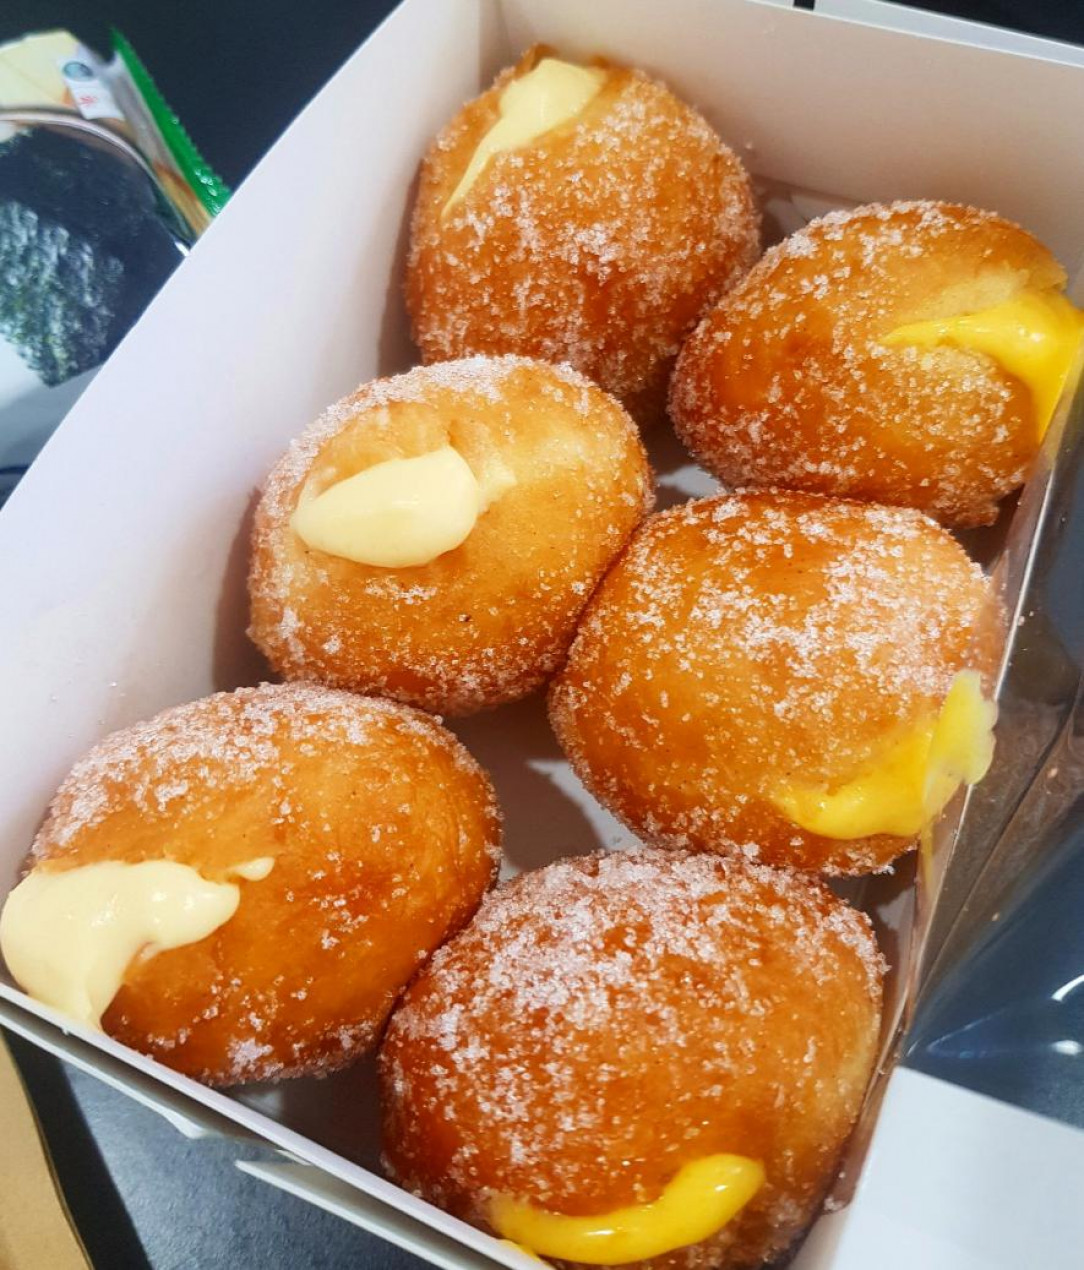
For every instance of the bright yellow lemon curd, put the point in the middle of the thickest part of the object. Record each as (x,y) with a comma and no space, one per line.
(699,1201)
(1034,336)
(912,780)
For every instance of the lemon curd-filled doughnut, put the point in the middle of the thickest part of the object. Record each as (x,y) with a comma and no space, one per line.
(798,678)
(908,353)
(646,1057)
(580,214)
(241,886)
(435,536)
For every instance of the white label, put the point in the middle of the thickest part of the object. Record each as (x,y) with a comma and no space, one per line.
(92,98)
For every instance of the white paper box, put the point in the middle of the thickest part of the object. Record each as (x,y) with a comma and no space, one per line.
(122,554)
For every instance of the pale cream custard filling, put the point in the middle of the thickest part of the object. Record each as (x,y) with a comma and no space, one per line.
(402,512)
(551,94)
(68,936)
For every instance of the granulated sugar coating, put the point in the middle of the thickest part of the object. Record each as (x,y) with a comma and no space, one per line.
(750,640)
(785,383)
(605,1020)
(599,244)
(384,834)
(492,619)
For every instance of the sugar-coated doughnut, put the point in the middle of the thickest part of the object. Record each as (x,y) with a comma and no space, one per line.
(608,1025)
(599,242)
(906,353)
(797,678)
(558,479)
(334,842)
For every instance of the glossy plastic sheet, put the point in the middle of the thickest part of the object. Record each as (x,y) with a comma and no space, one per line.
(1002,1011)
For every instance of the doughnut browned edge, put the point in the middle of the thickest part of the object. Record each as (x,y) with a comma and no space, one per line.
(749,641)
(786,383)
(606,1020)
(599,244)
(384,835)
(491,620)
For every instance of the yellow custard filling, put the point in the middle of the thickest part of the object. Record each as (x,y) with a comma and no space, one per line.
(68,936)
(551,94)
(1035,336)
(699,1201)
(399,513)
(913,778)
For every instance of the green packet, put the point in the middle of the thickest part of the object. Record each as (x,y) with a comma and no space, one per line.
(53,71)
(102,193)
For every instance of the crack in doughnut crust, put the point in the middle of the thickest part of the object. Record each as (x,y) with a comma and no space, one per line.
(785,382)
(601,244)
(384,832)
(491,620)
(750,640)
(605,1020)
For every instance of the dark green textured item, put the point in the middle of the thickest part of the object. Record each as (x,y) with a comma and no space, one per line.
(208,186)
(56,306)
(83,248)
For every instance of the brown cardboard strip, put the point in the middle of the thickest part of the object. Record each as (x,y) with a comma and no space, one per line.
(36,1229)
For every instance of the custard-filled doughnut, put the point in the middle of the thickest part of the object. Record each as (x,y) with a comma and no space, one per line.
(580,214)
(625,1030)
(795,678)
(907,353)
(435,536)
(241,886)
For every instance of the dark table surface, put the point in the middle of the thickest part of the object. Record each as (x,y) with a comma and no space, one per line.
(143,1196)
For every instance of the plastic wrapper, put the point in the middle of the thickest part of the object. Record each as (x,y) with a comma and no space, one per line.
(1002,1010)
(101,194)
(986,987)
